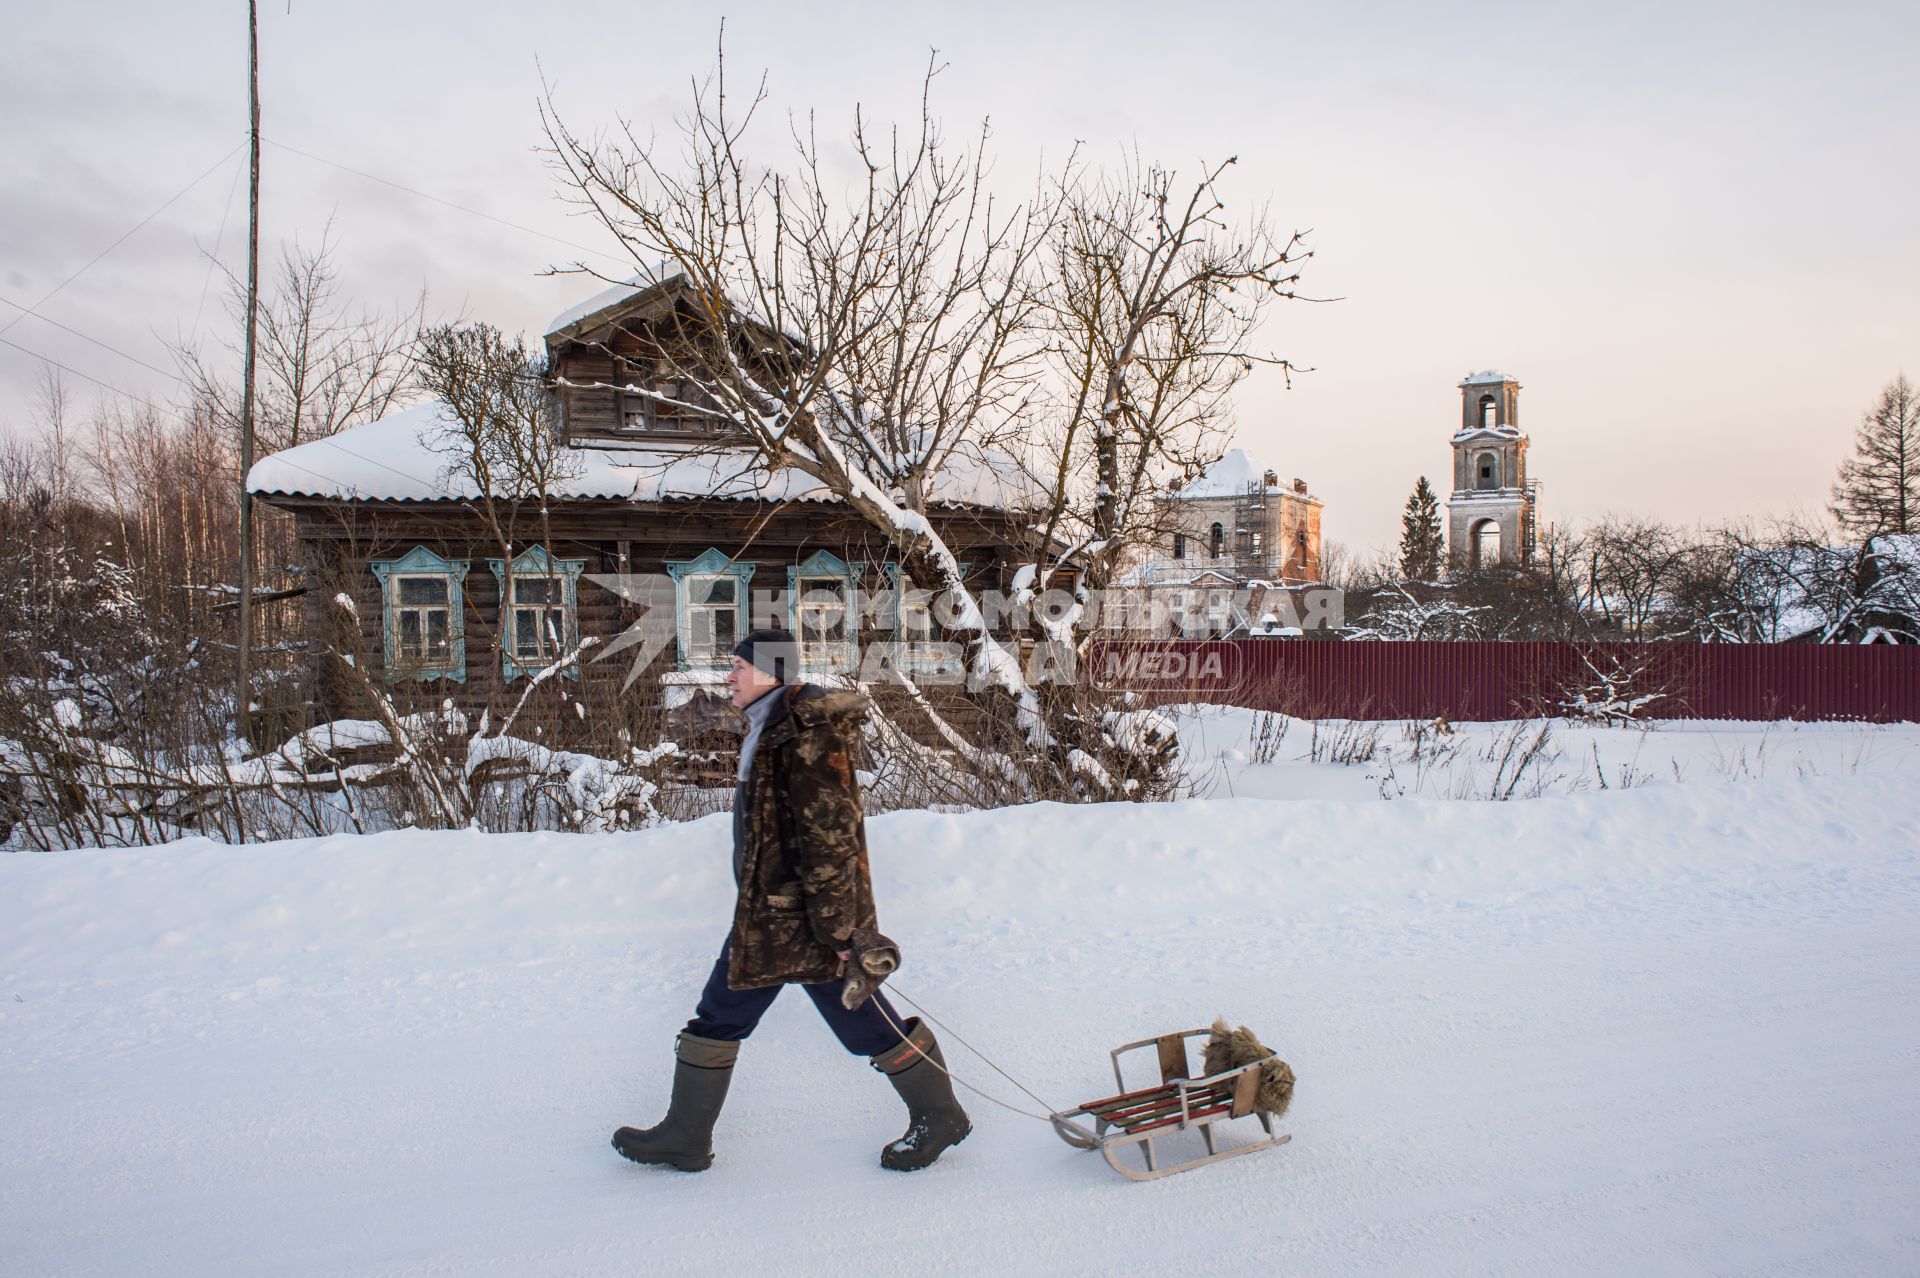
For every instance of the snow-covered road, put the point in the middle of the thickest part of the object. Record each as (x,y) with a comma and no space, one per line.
(1671,1030)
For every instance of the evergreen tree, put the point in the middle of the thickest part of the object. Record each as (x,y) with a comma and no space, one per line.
(1879,486)
(1421,547)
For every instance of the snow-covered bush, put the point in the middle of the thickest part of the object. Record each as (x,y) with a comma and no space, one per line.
(571,790)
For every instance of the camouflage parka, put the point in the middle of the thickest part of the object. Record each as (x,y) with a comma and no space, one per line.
(804,882)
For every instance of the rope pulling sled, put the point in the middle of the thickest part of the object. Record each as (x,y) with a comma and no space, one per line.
(1241,1078)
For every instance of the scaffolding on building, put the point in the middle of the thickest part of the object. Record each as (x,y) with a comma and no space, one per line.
(1249,549)
(1529,521)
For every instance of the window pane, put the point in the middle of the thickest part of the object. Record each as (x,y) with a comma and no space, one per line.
(822,608)
(712,590)
(408,625)
(436,633)
(536,590)
(711,631)
(526,632)
(423,590)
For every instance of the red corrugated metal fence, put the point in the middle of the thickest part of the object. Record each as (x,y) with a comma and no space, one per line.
(1479,681)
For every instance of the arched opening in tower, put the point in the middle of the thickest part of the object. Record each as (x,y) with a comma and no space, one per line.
(1489,412)
(1485,543)
(1486,469)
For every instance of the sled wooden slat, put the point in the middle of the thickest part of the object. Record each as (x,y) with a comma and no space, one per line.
(1175,1119)
(1157,1103)
(1179,1103)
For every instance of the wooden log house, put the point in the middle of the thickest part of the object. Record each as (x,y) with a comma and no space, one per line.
(425,585)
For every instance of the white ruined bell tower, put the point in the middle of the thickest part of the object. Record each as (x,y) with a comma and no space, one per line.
(1490,517)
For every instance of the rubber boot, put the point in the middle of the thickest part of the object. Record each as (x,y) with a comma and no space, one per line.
(684,1138)
(935,1121)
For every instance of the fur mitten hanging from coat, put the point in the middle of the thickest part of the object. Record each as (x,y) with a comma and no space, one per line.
(1228,1047)
(873,958)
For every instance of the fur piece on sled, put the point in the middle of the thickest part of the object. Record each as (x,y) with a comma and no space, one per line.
(1228,1047)
(874,958)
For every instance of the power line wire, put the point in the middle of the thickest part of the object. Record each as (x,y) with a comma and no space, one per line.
(333,439)
(398,186)
(213,258)
(96,341)
(177,415)
(138,399)
(34,309)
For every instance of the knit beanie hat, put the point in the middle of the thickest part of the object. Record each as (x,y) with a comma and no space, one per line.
(773,652)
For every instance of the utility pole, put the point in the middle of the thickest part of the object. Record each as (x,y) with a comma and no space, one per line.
(243,700)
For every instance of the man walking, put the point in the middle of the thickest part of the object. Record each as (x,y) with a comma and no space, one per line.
(805,904)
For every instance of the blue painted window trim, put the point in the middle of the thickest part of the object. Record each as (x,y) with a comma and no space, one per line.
(708,563)
(535,561)
(421,562)
(903,655)
(822,563)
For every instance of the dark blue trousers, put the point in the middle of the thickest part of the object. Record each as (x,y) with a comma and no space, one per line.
(729,1015)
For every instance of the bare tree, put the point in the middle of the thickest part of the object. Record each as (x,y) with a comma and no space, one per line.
(1631,566)
(54,402)
(1878,490)
(325,364)
(888,333)
(1152,300)
(505,440)
(1723,589)
(504,444)
(1340,567)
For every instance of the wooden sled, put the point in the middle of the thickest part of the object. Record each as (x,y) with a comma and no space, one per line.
(1180,1102)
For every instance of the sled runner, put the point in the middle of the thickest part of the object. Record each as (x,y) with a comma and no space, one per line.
(1179,1102)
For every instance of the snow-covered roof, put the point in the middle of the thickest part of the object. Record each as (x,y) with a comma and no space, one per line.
(1486,377)
(608,298)
(1229,477)
(1902,549)
(1485,432)
(414,455)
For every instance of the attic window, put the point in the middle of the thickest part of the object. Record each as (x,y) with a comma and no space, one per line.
(671,411)
(670,406)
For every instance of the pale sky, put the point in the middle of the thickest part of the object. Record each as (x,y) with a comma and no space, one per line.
(1688,229)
